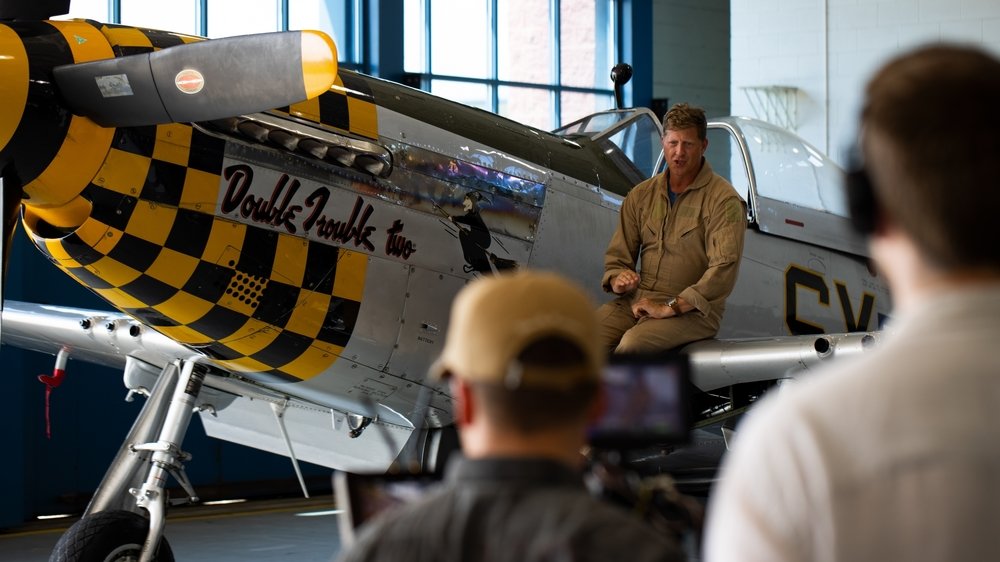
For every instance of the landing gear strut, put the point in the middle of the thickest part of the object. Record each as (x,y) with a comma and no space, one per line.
(113,528)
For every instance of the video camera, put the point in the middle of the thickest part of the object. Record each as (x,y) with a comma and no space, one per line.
(647,406)
(647,403)
(648,413)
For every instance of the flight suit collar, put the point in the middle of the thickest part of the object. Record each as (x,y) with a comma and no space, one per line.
(704,177)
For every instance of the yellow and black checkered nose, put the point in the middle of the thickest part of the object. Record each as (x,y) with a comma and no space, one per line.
(129,212)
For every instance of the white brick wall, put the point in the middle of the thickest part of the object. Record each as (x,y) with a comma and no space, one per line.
(829,48)
(691,52)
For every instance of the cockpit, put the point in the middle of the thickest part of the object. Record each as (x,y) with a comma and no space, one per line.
(630,137)
(791,188)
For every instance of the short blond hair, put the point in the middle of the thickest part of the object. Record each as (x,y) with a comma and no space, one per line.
(684,116)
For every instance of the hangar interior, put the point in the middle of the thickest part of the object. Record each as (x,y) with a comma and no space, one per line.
(798,64)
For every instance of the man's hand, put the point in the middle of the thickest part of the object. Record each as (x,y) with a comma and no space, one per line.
(646,307)
(625,282)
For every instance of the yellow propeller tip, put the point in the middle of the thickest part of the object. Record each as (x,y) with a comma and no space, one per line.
(319,62)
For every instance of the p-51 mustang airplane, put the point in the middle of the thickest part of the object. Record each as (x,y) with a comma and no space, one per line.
(282,253)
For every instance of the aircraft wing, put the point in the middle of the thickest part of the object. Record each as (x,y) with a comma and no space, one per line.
(730,375)
(232,408)
(95,336)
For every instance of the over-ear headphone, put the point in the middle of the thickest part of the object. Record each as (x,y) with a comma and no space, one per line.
(862,205)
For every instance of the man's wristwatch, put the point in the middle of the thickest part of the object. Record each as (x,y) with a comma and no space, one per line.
(672,303)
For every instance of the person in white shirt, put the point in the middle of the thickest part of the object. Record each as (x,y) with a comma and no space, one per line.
(895,456)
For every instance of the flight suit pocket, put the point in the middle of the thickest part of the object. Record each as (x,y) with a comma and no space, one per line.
(651,229)
(687,228)
(650,233)
(724,248)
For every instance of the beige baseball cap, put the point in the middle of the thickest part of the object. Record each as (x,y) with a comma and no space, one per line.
(494,318)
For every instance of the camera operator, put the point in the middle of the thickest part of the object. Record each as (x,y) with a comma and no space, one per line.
(523,359)
(891,456)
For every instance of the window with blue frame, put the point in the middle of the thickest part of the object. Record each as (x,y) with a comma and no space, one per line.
(222,18)
(541,62)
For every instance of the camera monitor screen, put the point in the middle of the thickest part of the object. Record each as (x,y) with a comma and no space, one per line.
(360,497)
(647,402)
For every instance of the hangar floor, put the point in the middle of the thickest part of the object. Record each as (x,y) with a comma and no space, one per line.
(272,530)
(303,530)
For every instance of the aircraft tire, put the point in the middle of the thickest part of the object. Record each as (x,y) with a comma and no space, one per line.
(109,536)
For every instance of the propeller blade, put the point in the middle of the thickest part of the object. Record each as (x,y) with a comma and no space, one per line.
(201,81)
(33,10)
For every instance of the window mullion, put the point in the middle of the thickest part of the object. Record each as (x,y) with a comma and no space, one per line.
(282,15)
(201,14)
(358,31)
(556,49)
(428,30)
(494,55)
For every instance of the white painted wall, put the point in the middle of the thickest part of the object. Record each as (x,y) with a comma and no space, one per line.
(691,53)
(829,48)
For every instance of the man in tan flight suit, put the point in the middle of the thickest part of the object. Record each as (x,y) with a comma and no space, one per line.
(686,227)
